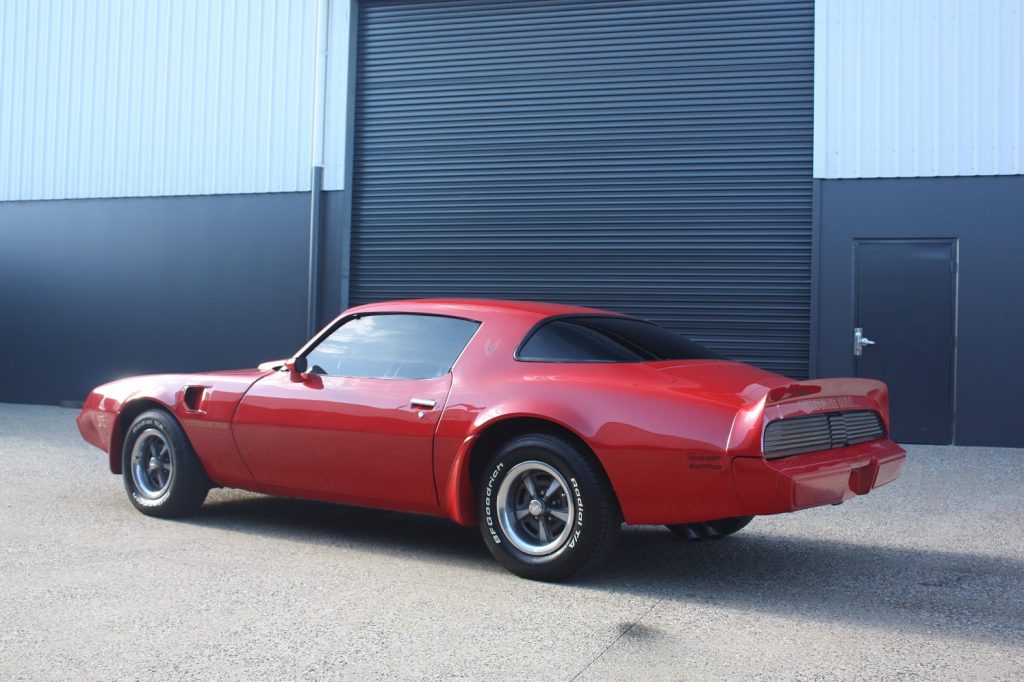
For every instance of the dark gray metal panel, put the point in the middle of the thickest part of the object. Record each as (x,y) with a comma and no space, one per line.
(649,157)
(984,215)
(336,209)
(815,311)
(96,289)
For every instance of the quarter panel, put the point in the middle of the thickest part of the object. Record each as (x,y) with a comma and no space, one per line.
(664,448)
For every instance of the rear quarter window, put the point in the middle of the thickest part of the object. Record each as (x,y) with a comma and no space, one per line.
(608,339)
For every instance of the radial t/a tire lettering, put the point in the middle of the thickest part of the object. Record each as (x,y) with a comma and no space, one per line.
(162,475)
(546,510)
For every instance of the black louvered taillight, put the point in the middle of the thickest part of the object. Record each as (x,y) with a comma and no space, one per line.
(827,431)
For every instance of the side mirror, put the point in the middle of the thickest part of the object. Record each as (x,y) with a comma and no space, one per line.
(297,368)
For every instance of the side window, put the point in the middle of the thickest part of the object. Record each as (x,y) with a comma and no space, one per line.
(392,346)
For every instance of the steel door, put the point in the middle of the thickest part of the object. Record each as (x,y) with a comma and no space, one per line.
(904,331)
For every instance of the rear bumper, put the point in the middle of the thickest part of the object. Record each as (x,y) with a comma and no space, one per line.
(815,479)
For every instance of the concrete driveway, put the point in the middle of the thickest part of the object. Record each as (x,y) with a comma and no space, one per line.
(923,579)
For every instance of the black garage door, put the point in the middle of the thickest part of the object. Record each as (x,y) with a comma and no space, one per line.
(648,157)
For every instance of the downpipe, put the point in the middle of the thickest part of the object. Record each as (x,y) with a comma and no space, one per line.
(313,283)
(317,163)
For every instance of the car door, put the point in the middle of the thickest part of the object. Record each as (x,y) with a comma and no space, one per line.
(359,426)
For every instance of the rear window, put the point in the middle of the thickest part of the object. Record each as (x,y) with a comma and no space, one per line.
(608,339)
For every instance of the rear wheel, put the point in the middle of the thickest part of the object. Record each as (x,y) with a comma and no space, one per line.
(162,475)
(710,530)
(546,511)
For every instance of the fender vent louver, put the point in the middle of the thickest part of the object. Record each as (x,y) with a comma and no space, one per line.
(194,398)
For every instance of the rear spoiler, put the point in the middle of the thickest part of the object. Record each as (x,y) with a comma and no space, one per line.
(801,398)
(827,395)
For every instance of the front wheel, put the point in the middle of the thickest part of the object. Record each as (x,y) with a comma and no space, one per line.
(546,511)
(710,530)
(162,475)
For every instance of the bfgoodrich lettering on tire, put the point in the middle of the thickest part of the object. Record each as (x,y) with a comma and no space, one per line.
(162,475)
(545,510)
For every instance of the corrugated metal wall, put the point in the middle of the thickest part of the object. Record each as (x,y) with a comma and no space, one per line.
(651,157)
(336,103)
(118,98)
(908,88)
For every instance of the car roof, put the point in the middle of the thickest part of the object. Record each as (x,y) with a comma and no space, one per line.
(477,307)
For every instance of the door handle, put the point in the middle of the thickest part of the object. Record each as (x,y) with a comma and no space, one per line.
(859,341)
(422,402)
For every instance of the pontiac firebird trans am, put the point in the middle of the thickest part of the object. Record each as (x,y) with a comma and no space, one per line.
(546,425)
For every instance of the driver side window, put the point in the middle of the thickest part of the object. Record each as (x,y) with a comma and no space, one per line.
(392,346)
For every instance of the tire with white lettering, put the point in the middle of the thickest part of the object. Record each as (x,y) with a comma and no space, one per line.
(546,511)
(162,475)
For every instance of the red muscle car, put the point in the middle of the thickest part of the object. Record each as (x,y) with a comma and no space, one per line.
(547,425)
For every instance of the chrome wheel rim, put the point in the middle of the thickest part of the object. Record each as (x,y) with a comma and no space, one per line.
(152,466)
(535,508)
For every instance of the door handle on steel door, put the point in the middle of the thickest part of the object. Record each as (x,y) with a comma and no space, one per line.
(422,402)
(859,341)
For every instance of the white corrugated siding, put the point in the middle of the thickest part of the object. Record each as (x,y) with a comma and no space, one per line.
(909,88)
(116,98)
(336,108)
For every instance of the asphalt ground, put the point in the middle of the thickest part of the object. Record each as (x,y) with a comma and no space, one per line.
(922,579)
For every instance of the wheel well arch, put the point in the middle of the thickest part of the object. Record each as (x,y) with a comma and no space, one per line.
(493,435)
(129,411)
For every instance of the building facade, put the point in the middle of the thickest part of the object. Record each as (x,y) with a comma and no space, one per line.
(193,185)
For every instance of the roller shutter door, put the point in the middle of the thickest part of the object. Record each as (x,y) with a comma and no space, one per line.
(647,157)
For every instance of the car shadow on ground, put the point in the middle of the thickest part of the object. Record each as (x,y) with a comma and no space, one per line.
(970,596)
(397,533)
